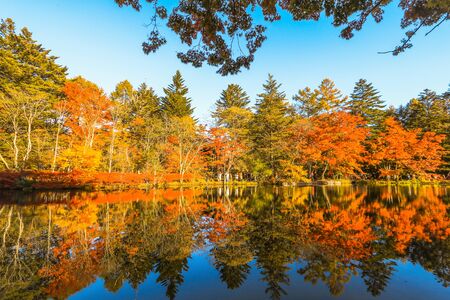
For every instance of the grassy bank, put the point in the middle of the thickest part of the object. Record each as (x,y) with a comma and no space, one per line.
(403,182)
(44,180)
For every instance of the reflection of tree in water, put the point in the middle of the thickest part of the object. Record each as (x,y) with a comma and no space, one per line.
(434,257)
(274,243)
(274,250)
(172,255)
(170,274)
(332,272)
(231,273)
(334,234)
(377,269)
(154,239)
(18,269)
(227,229)
(231,258)
(331,248)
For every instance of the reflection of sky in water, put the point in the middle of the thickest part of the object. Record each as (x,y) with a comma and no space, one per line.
(202,281)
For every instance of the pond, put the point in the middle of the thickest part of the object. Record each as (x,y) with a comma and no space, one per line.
(354,242)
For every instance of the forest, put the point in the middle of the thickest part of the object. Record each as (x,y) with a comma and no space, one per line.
(52,124)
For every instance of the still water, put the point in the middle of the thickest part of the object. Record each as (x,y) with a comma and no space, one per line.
(243,243)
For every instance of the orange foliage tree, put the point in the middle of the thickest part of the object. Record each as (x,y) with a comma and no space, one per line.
(88,107)
(332,142)
(398,150)
(223,151)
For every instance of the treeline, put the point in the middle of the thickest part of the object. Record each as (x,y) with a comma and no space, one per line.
(50,122)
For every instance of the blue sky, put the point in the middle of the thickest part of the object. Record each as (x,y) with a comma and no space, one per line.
(100,41)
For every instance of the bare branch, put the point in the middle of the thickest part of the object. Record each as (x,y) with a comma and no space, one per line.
(438,24)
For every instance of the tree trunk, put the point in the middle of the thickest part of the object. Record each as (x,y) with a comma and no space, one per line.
(4,161)
(16,148)
(111,150)
(55,151)
(324,171)
(29,142)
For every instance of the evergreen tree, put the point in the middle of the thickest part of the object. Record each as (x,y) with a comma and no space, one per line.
(175,103)
(232,110)
(307,104)
(429,111)
(330,96)
(26,66)
(146,102)
(365,101)
(30,83)
(233,95)
(326,98)
(268,129)
(232,98)
(124,92)
(445,169)
(148,131)
(446,97)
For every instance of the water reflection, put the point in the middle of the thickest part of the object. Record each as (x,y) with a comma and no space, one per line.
(54,244)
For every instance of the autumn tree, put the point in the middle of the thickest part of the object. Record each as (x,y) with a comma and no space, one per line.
(88,107)
(330,143)
(175,103)
(268,127)
(184,144)
(430,112)
(398,150)
(223,151)
(60,118)
(88,113)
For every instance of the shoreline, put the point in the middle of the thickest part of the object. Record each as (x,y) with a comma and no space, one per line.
(32,180)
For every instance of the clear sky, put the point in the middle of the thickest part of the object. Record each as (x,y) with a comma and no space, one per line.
(102,42)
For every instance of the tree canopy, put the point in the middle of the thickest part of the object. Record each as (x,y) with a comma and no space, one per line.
(224,33)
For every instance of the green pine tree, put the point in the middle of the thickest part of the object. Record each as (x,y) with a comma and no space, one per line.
(26,66)
(175,103)
(146,102)
(366,102)
(124,92)
(307,104)
(148,131)
(232,109)
(233,95)
(326,98)
(268,129)
(429,111)
(30,83)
